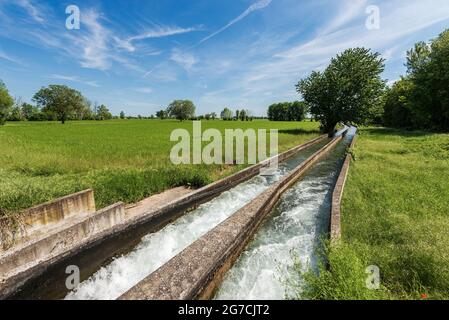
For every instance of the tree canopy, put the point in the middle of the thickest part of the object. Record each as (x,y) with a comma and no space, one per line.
(6,102)
(181,109)
(287,111)
(61,100)
(420,100)
(226,114)
(349,90)
(103,113)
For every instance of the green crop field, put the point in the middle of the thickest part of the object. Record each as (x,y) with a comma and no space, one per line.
(395,216)
(122,160)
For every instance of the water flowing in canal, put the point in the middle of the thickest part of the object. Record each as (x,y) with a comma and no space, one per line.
(295,226)
(155,249)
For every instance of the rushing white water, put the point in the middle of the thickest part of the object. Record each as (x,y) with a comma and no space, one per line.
(157,248)
(294,228)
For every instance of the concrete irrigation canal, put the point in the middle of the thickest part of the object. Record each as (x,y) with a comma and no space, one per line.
(230,240)
(295,227)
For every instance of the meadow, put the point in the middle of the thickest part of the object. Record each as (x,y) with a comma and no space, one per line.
(395,215)
(122,160)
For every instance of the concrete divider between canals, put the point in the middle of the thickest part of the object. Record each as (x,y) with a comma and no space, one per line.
(335,220)
(197,271)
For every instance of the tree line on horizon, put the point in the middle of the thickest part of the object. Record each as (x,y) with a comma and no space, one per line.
(350,91)
(52,103)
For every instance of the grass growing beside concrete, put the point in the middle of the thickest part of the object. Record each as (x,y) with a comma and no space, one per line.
(395,215)
(122,160)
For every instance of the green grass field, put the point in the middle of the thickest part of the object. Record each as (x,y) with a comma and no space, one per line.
(122,160)
(395,215)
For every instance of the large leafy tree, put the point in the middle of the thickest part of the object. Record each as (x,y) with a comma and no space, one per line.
(428,68)
(349,90)
(287,111)
(226,114)
(161,114)
(6,102)
(103,113)
(60,100)
(398,110)
(181,109)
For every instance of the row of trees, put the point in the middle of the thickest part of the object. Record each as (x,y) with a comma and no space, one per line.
(243,115)
(55,102)
(185,110)
(420,100)
(288,111)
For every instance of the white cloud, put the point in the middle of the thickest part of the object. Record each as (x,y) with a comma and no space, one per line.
(31,9)
(94,43)
(184,59)
(259,5)
(145,90)
(9,58)
(347,11)
(74,79)
(159,32)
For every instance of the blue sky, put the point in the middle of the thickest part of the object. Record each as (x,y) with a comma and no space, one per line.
(138,56)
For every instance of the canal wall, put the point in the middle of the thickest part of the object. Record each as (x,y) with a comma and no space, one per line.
(31,221)
(337,195)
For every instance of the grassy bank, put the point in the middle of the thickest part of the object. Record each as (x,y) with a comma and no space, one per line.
(395,215)
(122,160)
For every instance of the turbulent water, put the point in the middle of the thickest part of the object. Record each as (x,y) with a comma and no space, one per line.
(155,249)
(294,228)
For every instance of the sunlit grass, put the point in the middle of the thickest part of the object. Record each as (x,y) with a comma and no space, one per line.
(395,215)
(122,160)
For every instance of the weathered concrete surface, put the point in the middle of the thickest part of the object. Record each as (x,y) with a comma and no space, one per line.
(156,202)
(197,271)
(20,263)
(39,219)
(337,195)
(148,216)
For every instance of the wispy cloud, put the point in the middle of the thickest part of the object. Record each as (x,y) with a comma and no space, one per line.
(74,79)
(145,90)
(9,58)
(184,59)
(32,10)
(94,43)
(259,5)
(159,32)
(348,10)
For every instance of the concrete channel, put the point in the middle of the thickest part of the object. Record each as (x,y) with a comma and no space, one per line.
(287,241)
(97,239)
(198,271)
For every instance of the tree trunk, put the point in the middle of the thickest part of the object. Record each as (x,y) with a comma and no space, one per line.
(331,130)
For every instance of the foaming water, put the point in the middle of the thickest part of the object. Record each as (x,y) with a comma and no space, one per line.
(294,227)
(155,249)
